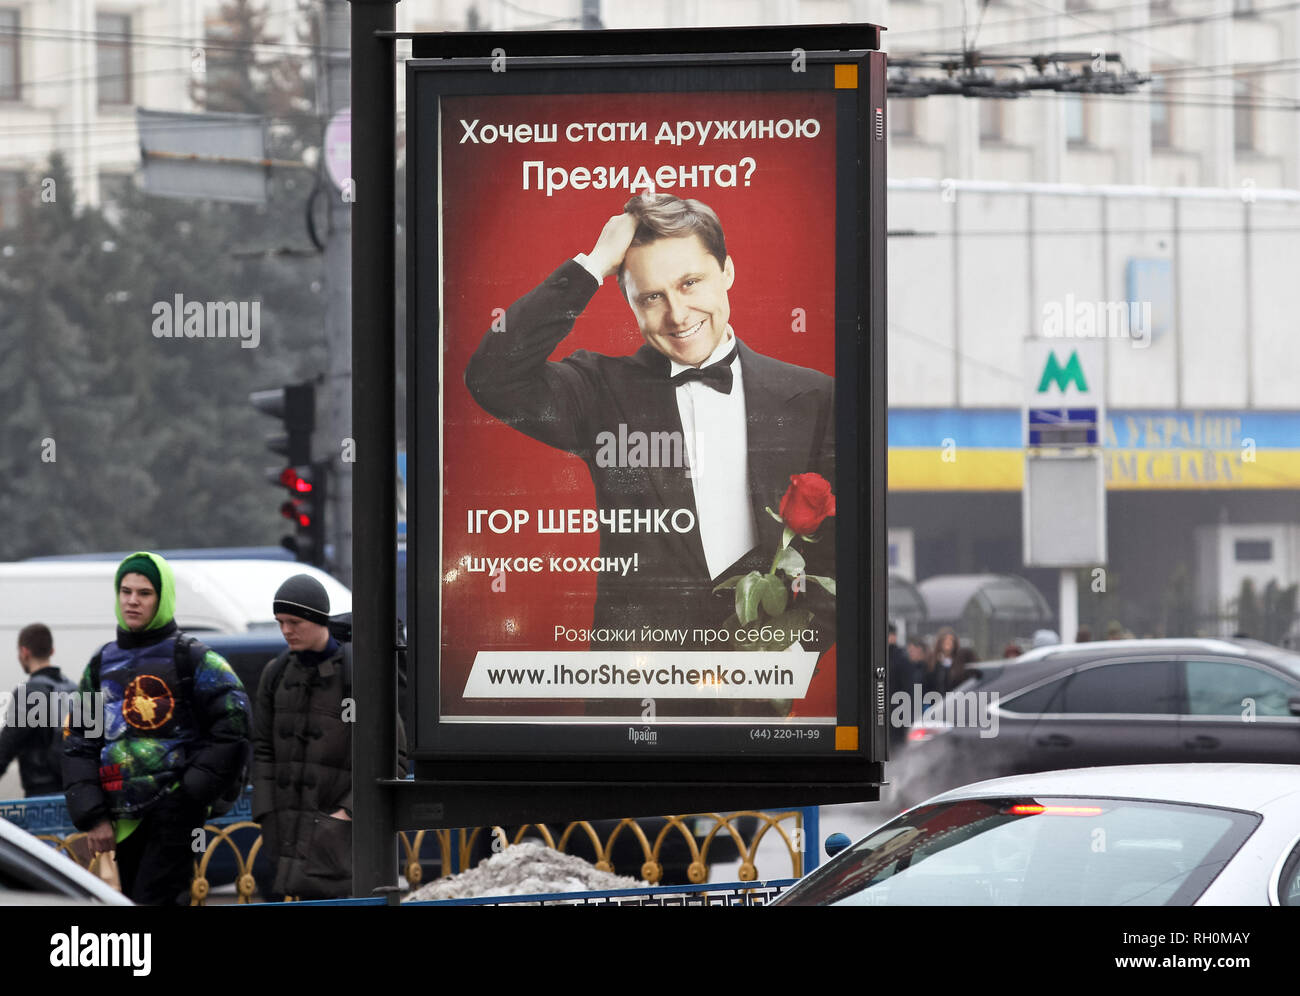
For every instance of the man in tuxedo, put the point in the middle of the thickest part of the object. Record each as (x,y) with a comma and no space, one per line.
(687,440)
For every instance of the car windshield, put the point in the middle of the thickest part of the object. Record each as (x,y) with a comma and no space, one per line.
(1028,851)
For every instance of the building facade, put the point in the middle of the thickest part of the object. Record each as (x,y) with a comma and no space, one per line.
(1162,221)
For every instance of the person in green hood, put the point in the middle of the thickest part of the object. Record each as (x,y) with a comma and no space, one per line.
(175,737)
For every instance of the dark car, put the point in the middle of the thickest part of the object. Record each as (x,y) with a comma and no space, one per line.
(1112,702)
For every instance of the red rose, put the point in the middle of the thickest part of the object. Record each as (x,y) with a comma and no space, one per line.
(807,503)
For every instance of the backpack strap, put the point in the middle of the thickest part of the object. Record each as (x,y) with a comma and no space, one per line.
(94,669)
(185,662)
(185,650)
(276,670)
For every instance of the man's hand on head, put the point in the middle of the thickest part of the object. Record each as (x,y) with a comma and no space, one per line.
(611,247)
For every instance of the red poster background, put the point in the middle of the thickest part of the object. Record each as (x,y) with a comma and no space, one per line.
(500,240)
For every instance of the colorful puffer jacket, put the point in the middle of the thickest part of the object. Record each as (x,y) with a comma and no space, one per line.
(154,738)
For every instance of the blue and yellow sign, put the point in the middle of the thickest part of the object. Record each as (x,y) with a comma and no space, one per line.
(949,449)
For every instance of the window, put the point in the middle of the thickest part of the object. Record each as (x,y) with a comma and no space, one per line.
(1221,688)
(1034,851)
(113,58)
(1288,883)
(1136,687)
(10,65)
(1243,115)
(1252,551)
(1158,94)
(991,119)
(1037,700)
(1076,120)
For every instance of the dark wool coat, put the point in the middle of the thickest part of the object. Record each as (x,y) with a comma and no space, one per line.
(302,772)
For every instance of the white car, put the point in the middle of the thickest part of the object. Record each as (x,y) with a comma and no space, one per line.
(1141,835)
(32,873)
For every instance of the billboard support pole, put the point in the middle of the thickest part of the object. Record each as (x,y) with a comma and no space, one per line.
(374,372)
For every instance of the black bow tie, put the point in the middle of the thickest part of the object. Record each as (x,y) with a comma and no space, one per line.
(716,375)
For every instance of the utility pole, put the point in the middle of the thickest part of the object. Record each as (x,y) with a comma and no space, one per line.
(374,355)
(335,416)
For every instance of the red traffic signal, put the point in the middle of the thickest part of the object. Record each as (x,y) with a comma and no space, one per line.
(297,513)
(296,481)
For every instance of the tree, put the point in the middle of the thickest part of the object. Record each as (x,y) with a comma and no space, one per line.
(67,476)
(115,437)
(248,71)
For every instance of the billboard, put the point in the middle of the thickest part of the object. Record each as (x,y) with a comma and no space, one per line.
(640,366)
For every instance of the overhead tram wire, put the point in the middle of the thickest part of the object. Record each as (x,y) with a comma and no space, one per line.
(164,41)
(1016,21)
(1138,41)
(1102,30)
(1173,22)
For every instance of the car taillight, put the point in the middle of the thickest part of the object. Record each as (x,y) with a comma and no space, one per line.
(920,734)
(1034,809)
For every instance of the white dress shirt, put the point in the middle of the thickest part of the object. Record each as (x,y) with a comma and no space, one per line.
(717,447)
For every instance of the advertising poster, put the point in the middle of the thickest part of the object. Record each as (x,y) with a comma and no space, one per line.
(636,316)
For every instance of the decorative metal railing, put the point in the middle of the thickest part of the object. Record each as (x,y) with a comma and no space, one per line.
(230,848)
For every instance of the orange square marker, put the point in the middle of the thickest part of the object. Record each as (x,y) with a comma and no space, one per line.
(846,737)
(846,76)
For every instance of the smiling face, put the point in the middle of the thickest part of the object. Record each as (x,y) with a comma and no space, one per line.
(137,600)
(678,293)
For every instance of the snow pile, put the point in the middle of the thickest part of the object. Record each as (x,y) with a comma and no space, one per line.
(523,870)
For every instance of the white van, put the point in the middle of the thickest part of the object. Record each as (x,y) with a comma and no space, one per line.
(75,599)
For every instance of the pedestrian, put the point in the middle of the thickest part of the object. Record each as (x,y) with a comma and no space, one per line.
(302,749)
(174,738)
(917,652)
(943,668)
(33,722)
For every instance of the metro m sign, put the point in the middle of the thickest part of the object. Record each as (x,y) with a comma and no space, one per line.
(1065,385)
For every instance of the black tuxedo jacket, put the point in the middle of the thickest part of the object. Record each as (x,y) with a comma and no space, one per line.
(568,404)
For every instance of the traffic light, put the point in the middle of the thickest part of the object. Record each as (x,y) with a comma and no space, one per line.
(305,508)
(304,480)
(295,406)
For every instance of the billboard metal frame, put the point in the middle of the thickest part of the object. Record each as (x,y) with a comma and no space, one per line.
(510,786)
